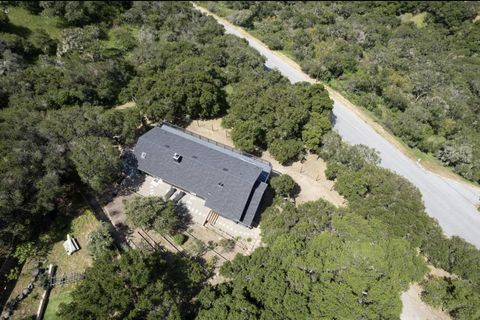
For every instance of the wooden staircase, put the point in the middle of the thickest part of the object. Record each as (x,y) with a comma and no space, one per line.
(212,218)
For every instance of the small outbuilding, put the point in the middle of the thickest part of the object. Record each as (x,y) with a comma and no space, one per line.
(71,245)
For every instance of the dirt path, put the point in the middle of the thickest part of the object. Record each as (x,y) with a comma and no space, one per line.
(126,105)
(309,174)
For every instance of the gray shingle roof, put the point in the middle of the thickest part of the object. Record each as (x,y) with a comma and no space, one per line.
(257,195)
(231,183)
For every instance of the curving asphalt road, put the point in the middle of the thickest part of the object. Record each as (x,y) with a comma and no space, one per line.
(452,203)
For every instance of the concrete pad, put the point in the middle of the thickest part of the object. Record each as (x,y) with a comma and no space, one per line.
(153,187)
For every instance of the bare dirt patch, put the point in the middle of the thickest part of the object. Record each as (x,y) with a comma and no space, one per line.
(437,272)
(126,105)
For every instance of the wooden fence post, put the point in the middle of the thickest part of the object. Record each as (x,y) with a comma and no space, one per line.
(44,300)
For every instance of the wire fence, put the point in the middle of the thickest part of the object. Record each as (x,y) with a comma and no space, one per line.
(66,278)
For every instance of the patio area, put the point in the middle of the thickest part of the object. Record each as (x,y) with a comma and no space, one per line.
(247,238)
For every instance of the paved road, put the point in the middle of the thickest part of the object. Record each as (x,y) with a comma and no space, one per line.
(452,203)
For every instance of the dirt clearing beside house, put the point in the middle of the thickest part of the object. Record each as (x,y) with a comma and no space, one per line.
(309,174)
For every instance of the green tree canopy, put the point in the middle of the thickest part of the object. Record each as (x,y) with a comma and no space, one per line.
(135,286)
(457,297)
(246,135)
(157,214)
(192,88)
(270,112)
(100,240)
(283,185)
(324,278)
(96,160)
(394,59)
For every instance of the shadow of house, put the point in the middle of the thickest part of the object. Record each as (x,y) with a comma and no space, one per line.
(266,202)
(270,195)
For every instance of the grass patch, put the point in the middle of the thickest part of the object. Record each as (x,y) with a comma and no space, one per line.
(24,23)
(418,19)
(289,54)
(113,40)
(80,227)
(57,296)
(79,224)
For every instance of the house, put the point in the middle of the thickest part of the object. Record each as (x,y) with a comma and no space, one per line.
(231,182)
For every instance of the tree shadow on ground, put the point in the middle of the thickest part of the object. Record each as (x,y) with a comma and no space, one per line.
(132,177)
(333,119)
(295,191)
(18,30)
(300,157)
(123,231)
(184,218)
(61,223)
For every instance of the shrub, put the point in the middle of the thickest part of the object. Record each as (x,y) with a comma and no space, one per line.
(455,296)
(24,251)
(198,247)
(283,185)
(180,238)
(228,245)
(333,169)
(100,240)
(285,151)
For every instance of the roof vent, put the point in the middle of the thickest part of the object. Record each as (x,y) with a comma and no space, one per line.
(143,155)
(177,157)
